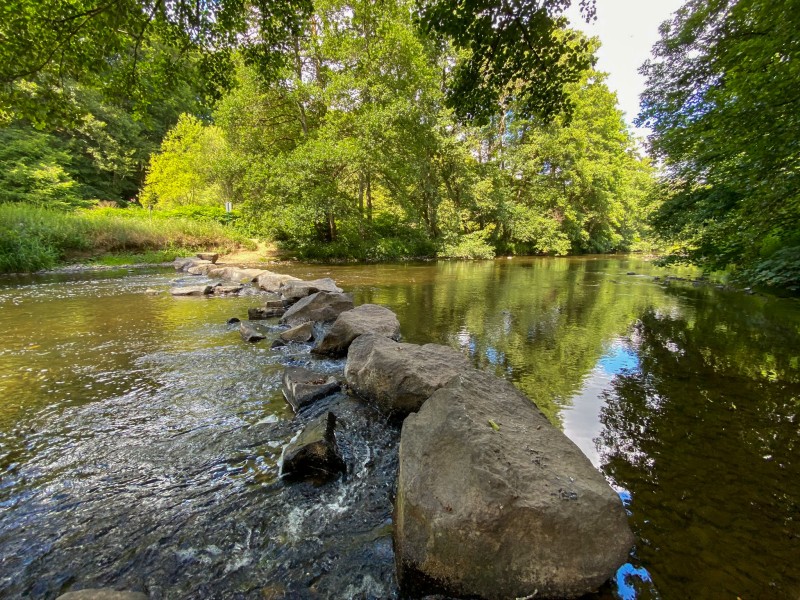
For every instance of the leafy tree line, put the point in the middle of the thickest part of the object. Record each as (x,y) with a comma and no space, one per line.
(343,129)
(722,100)
(358,148)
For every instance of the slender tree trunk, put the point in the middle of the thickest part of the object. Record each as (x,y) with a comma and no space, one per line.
(369,197)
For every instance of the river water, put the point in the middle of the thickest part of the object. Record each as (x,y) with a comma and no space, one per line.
(140,436)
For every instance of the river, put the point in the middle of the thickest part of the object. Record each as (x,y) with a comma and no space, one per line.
(140,436)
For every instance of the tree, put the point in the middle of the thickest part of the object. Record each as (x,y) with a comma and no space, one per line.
(722,102)
(46,42)
(517,50)
(184,171)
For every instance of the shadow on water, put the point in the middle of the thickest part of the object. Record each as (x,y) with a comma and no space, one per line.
(140,436)
(703,434)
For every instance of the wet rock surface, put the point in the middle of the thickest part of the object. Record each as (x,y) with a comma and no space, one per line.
(225,290)
(261,313)
(295,289)
(318,307)
(302,386)
(102,594)
(363,319)
(272,282)
(300,333)
(192,290)
(314,454)
(495,502)
(251,332)
(236,274)
(396,377)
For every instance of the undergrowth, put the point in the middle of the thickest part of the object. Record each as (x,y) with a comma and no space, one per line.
(34,238)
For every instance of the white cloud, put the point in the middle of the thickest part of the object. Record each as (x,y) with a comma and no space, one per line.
(627,30)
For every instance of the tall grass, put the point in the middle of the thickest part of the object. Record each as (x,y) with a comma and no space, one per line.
(33,238)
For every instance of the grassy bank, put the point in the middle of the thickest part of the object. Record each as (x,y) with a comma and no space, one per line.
(33,238)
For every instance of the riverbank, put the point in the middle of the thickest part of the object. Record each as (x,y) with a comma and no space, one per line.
(34,239)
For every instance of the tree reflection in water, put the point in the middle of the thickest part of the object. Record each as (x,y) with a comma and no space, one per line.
(703,434)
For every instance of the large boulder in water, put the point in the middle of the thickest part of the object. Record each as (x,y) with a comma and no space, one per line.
(236,274)
(313,454)
(302,386)
(494,502)
(272,282)
(294,290)
(300,333)
(318,307)
(367,318)
(397,377)
(201,269)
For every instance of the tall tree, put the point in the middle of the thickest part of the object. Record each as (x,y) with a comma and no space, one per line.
(518,50)
(722,101)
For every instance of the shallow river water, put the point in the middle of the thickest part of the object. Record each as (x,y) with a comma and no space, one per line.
(140,436)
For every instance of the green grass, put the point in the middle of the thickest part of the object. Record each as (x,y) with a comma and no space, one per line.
(34,238)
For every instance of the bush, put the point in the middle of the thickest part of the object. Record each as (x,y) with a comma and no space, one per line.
(780,270)
(469,246)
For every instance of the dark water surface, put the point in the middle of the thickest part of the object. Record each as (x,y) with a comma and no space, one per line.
(140,436)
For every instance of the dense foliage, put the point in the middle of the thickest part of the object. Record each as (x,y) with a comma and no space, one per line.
(358,129)
(353,152)
(722,100)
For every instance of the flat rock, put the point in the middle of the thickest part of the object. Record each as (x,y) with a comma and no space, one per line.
(313,454)
(222,290)
(209,256)
(260,313)
(302,387)
(191,290)
(182,263)
(251,332)
(294,290)
(318,307)
(202,269)
(397,377)
(236,274)
(272,282)
(494,502)
(367,318)
(299,333)
(102,594)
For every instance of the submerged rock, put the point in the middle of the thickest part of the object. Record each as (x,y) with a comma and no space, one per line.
(397,377)
(102,594)
(261,313)
(313,454)
(272,282)
(191,290)
(495,502)
(367,318)
(303,386)
(318,307)
(300,333)
(233,320)
(294,290)
(251,332)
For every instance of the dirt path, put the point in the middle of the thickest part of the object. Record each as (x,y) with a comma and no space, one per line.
(265,252)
